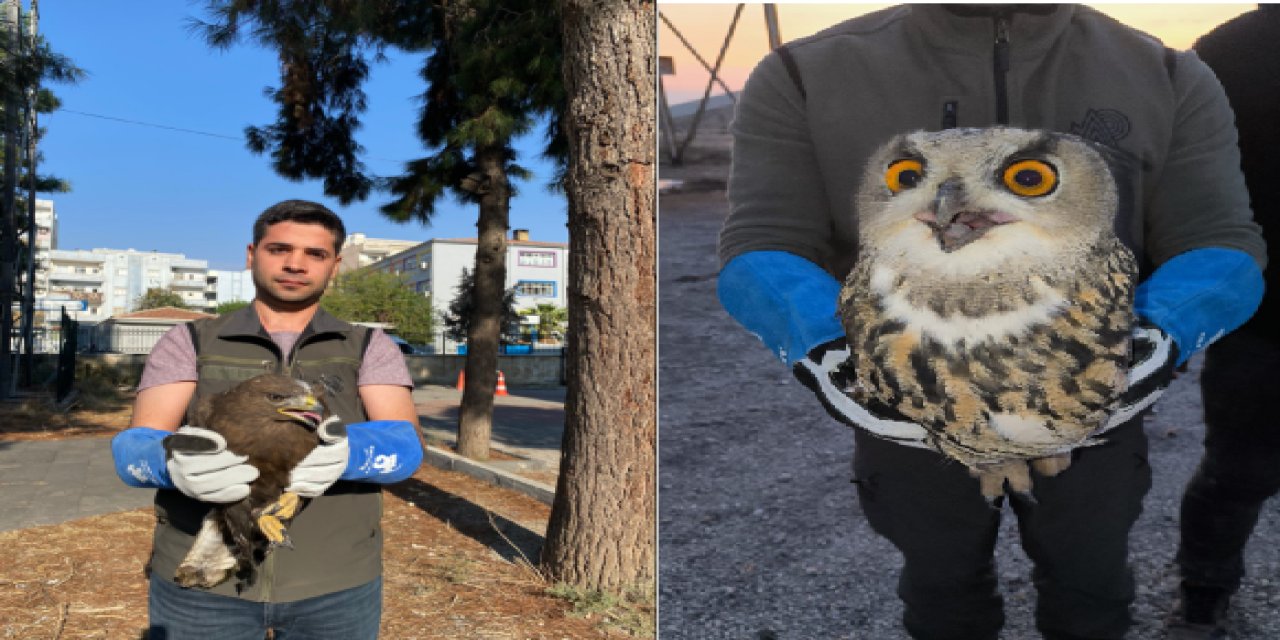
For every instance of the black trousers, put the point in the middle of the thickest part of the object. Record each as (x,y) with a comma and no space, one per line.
(1241,464)
(1076,533)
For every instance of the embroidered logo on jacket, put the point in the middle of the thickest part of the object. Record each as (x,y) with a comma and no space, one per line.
(1104,126)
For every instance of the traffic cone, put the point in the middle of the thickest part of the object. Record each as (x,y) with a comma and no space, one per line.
(462,379)
(502,386)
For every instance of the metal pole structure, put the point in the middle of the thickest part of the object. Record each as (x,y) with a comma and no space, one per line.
(771,23)
(29,292)
(689,46)
(706,95)
(666,67)
(8,228)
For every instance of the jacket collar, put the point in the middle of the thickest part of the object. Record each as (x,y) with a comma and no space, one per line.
(245,322)
(971,29)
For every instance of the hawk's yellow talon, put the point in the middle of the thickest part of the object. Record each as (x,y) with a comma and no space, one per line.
(271,528)
(285,507)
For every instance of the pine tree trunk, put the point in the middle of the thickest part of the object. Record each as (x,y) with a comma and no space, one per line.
(475,415)
(8,213)
(601,534)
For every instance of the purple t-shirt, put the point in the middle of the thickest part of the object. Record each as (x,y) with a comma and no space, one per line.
(173,359)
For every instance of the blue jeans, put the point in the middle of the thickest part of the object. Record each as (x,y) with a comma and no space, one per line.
(190,614)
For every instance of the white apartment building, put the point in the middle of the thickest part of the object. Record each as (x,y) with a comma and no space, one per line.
(108,282)
(537,270)
(230,286)
(360,251)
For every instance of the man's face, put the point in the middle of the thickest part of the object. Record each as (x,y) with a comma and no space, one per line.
(292,263)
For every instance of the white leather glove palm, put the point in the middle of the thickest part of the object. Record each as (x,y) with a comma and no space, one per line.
(201,467)
(324,465)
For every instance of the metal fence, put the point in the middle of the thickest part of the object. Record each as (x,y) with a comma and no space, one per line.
(97,338)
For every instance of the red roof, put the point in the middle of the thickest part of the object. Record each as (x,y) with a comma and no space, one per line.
(164,313)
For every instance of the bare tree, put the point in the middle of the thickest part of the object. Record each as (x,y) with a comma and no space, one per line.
(601,534)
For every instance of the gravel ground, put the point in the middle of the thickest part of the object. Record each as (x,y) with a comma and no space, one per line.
(760,532)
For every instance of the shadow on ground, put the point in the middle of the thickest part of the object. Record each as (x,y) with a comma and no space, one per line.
(505,537)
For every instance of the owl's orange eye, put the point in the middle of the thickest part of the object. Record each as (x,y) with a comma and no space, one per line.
(903,174)
(1031,178)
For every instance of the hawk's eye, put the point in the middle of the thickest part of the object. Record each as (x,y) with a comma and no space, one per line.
(1031,178)
(276,397)
(903,174)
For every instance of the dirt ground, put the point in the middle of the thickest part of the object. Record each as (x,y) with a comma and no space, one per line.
(457,560)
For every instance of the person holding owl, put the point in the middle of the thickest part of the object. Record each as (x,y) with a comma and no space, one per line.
(810,117)
(1239,471)
(328,585)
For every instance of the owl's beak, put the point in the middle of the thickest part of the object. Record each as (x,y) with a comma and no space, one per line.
(305,409)
(953,223)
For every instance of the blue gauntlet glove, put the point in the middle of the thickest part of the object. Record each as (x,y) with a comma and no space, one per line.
(790,304)
(192,460)
(1188,303)
(1199,296)
(381,451)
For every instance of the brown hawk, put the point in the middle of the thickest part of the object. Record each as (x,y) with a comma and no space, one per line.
(271,419)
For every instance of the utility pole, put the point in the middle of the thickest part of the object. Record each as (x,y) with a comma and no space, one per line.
(29,292)
(8,228)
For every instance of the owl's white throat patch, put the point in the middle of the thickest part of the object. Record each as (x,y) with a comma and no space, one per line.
(951,330)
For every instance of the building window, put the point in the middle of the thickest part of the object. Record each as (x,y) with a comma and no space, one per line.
(536,288)
(536,258)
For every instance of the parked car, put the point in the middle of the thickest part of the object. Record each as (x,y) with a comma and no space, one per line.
(405,348)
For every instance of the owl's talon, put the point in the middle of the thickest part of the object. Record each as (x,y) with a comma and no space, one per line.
(1052,465)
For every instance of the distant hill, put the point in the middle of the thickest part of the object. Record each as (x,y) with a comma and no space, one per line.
(686,109)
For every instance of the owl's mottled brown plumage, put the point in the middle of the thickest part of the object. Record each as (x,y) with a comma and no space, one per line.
(271,419)
(998,321)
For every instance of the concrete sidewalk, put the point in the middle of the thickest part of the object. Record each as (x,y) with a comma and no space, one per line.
(53,481)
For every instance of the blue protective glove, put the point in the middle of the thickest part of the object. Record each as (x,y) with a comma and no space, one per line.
(382,451)
(790,304)
(140,458)
(192,460)
(1199,296)
(785,300)
(1188,303)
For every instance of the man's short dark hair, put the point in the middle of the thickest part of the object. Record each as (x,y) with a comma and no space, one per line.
(303,212)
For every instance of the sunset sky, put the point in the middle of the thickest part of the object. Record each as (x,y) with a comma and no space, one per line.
(705,26)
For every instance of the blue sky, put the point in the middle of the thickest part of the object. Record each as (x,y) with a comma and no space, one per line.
(149,188)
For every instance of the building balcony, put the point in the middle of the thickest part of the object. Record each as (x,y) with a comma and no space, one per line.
(59,275)
(182,283)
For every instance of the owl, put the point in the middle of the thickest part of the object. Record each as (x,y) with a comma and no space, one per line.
(271,419)
(991,301)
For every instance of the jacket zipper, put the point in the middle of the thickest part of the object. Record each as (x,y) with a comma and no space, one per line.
(284,366)
(1002,68)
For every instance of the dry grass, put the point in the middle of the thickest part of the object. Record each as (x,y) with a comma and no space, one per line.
(454,568)
(101,405)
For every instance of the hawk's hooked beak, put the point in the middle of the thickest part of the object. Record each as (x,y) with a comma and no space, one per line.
(953,224)
(305,409)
